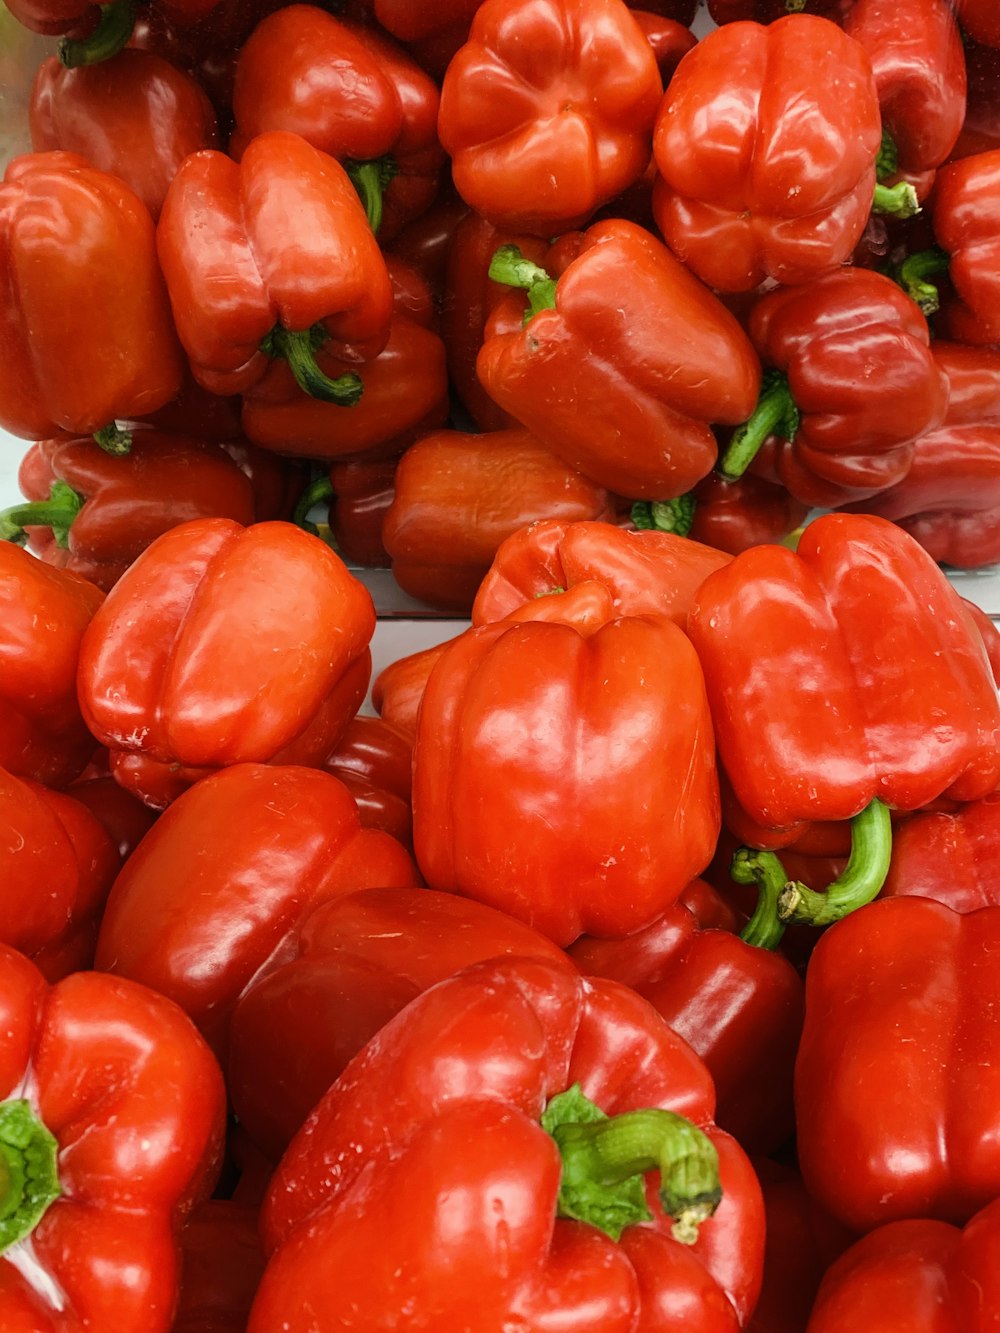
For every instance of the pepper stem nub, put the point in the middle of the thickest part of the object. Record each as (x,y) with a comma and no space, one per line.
(29,1174)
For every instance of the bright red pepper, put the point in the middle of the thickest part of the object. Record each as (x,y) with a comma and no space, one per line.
(622,364)
(896,1091)
(949,856)
(748,511)
(765,143)
(273,256)
(53,840)
(205,904)
(547,110)
(979,20)
(223,644)
(966,215)
(434,1237)
(921,1275)
(459,496)
(85,330)
(852,385)
(355,962)
(741,1007)
(136,116)
(112,1113)
(374,760)
(645,572)
(830,670)
(670,39)
(42,732)
(399,687)
(598,824)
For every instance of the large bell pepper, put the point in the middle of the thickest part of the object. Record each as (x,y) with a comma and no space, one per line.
(844,677)
(46,611)
(85,330)
(272,257)
(459,496)
(765,144)
(456,1209)
(207,901)
(896,1090)
(223,644)
(353,963)
(852,384)
(136,116)
(547,110)
(622,363)
(921,1275)
(112,1112)
(565,773)
(351,92)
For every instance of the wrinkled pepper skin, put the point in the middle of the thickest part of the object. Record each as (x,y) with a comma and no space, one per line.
(765,144)
(901,995)
(205,903)
(623,376)
(46,611)
(921,1275)
(474,1060)
(547,111)
(645,572)
(85,329)
(278,239)
(599,824)
(136,1104)
(919,65)
(355,962)
(135,116)
(965,211)
(949,856)
(828,670)
(223,644)
(459,496)
(49,838)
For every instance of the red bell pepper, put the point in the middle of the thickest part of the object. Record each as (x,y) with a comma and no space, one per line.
(95,31)
(223,644)
(895,1090)
(735,515)
(272,257)
(354,963)
(645,572)
(599,823)
(921,1275)
(670,39)
(949,856)
(741,1007)
(51,839)
(979,20)
(42,731)
(399,687)
(765,143)
(852,384)
(352,92)
(123,816)
(459,496)
(102,512)
(919,65)
(966,217)
(205,904)
(622,363)
(374,760)
(547,110)
(221,1265)
(421,1233)
(136,116)
(85,331)
(111,1118)
(359,494)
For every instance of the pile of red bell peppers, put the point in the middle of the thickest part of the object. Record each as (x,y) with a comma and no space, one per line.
(634,967)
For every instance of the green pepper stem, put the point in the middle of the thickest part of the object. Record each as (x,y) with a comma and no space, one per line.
(510,267)
(29,1173)
(887,158)
(114,28)
(912,273)
(675,515)
(860,881)
(299,350)
(314,493)
(57,513)
(775,413)
(114,439)
(899,200)
(765,928)
(371,179)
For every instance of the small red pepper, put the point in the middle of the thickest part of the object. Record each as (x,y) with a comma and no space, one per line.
(272,257)
(622,363)
(498,1233)
(112,1112)
(766,142)
(85,330)
(547,110)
